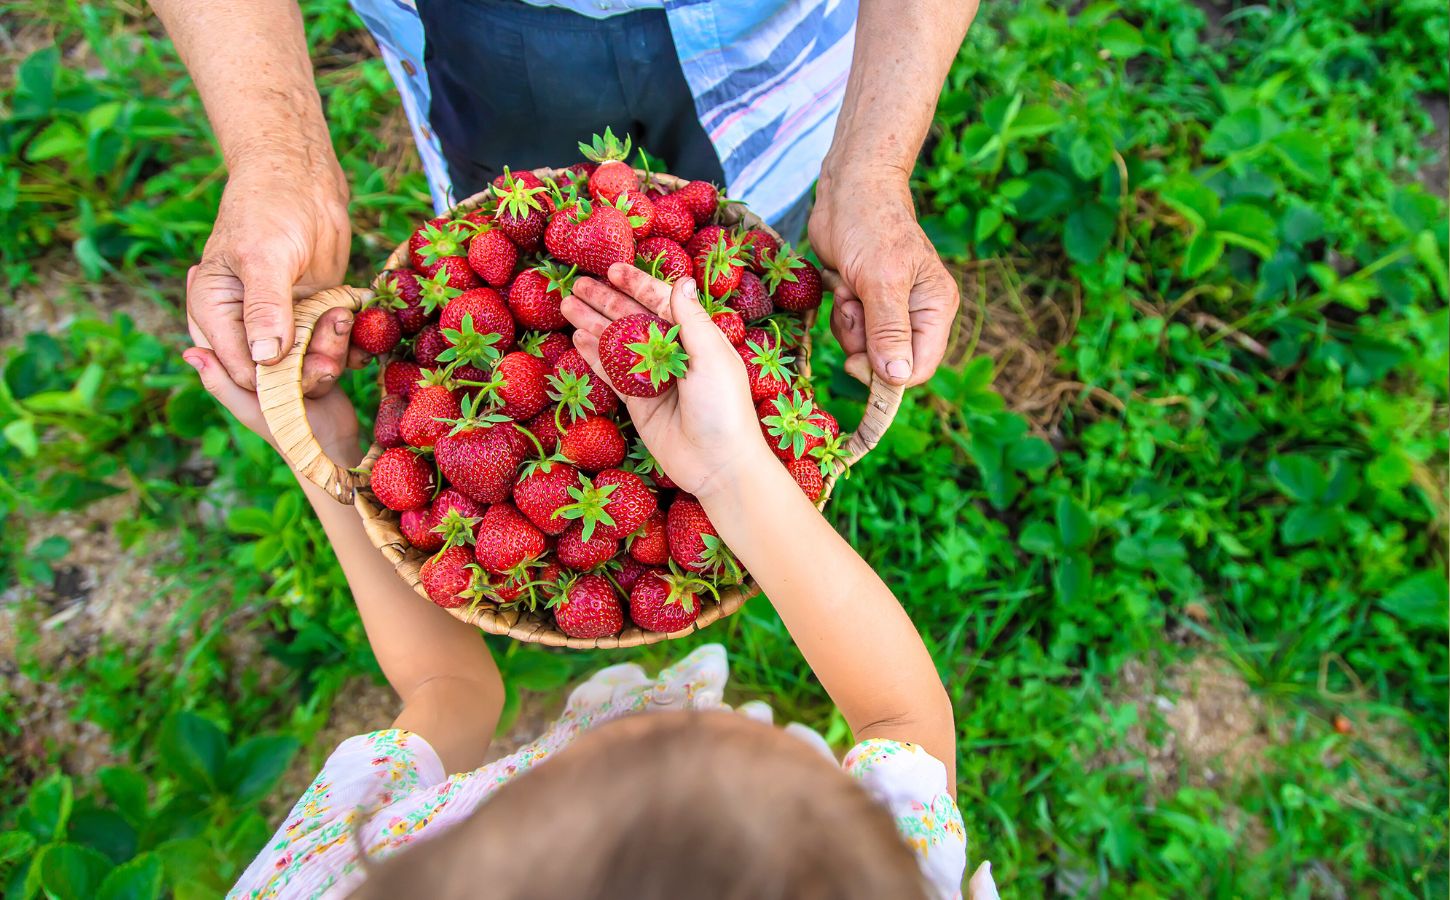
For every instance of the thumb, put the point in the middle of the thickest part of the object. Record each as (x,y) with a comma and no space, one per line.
(888,328)
(267,310)
(697,332)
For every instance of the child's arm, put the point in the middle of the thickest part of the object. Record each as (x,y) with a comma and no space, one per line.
(857,639)
(440,667)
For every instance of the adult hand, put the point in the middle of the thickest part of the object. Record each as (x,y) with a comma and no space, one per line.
(281,233)
(893,310)
(706,424)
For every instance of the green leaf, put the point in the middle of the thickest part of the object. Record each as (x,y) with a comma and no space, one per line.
(1247,226)
(1089,229)
(35,83)
(1073,579)
(988,221)
(104,830)
(1298,477)
(1030,454)
(1038,538)
(1236,132)
(949,242)
(1047,195)
(1422,600)
(127,790)
(190,411)
(254,766)
(15,845)
(20,434)
(1192,199)
(1089,158)
(1306,524)
(1120,39)
(48,808)
(139,879)
(194,749)
(71,872)
(1033,120)
(250,520)
(1303,152)
(1073,524)
(59,138)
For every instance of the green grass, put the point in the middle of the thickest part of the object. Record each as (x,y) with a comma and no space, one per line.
(1198,410)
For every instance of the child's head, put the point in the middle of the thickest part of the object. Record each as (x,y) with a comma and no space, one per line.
(670,805)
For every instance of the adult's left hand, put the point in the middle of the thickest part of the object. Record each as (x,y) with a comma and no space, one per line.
(894,308)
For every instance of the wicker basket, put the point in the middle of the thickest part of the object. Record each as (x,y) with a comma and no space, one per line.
(280,393)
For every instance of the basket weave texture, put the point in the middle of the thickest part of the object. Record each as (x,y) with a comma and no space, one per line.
(280,393)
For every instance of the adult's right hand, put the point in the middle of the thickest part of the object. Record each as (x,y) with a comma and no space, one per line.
(282,233)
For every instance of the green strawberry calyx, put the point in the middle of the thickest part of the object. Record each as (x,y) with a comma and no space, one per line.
(569,391)
(590,506)
(660,355)
(449,240)
(470,418)
(780,267)
(435,292)
(456,529)
(717,560)
(642,461)
(792,423)
(606,148)
(773,361)
(516,200)
(469,347)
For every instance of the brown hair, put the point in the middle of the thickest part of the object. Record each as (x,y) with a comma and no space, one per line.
(707,806)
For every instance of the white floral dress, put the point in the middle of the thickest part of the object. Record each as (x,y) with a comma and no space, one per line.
(385,790)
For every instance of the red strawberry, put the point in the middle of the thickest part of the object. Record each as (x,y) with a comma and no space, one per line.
(402,479)
(490,314)
(578,390)
(518,385)
(766,365)
(760,245)
(793,425)
(478,329)
(613,505)
(793,281)
(592,236)
(666,602)
(719,267)
(454,519)
(581,555)
(727,320)
(765,337)
(640,212)
(548,346)
(628,571)
(543,490)
(493,256)
(641,354)
(694,542)
(417,528)
(401,378)
(376,330)
(703,240)
(672,219)
(506,539)
(523,178)
(527,585)
(645,464)
(663,258)
(535,296)
(390,416)
(545,430)
(588,607)
(611,176)
(449,577)
(419,237)
(399,291)
(701,198)
(750,298)
(592,443)
(807,474)
(431,402)
(428,345)
(648,543)
(480,455)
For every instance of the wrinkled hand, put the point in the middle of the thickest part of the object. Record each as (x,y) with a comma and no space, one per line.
(705,427)
(331,415)
(894,309)
(280,234)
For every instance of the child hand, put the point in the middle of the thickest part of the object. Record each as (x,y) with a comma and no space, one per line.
(329,412)
(704,431)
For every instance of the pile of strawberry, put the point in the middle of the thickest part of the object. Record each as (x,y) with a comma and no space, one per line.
(509,460)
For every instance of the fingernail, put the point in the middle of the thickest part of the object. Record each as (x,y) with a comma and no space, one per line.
(687,285)
(264,349)
(846,318)
(195,362)
(327,378)
(343,326)
(898,368)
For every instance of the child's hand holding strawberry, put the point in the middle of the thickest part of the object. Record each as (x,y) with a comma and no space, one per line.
(704,433)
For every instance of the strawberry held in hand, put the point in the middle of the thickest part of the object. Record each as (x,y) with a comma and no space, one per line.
(641,354)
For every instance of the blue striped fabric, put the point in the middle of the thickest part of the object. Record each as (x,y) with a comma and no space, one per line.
(767,77)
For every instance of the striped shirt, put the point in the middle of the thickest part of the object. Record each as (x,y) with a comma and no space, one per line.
(767,78)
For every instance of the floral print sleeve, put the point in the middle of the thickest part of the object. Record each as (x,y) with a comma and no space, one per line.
(912,784)
(313,848)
